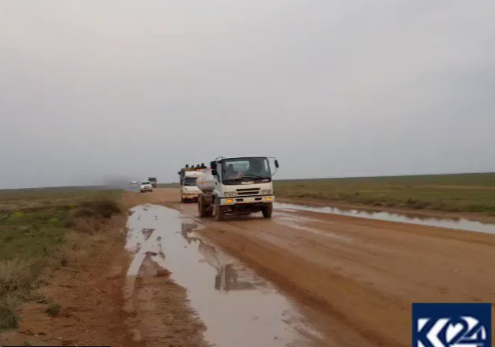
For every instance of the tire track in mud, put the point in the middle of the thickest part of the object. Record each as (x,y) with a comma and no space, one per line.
(158,311)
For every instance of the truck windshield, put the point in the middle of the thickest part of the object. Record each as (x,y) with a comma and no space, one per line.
(246,168)
(190,181)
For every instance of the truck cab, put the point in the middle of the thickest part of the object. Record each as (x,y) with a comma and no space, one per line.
(188,189)
(238,186)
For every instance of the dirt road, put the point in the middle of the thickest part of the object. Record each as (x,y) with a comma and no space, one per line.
(300,279)
(353,279)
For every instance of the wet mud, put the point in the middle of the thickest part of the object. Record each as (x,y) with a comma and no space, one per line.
(230,304)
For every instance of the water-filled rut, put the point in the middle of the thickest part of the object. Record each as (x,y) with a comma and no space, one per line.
(238,307)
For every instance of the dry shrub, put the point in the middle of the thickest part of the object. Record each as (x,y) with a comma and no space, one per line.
(16,281)
(15,277)
(102,208)
(9,305)
(81,212)
(88,226)
(73,250)
(53,310)
(86,218)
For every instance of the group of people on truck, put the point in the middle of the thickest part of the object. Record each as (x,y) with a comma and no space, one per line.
(188,168)
(193,168)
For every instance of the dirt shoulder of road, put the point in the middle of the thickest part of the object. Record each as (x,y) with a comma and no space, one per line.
(80,303)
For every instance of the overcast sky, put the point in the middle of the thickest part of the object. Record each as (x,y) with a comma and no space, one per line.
(98,90)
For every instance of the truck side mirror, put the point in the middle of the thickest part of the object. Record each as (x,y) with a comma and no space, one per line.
(214,172)
(276,164)
(213,165)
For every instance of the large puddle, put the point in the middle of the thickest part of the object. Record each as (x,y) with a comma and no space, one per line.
(238,307)
(460,224)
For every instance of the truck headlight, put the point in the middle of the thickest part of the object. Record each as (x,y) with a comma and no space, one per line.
(265,191)
(230,194)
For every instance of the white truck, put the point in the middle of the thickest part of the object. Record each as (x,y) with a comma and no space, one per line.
(188,188)
(236,186)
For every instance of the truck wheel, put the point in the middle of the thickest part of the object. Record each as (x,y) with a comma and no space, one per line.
(267,211)
(219,213)
(202,208)
(209,211)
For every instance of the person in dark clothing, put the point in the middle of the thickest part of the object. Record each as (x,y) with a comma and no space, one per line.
(203,166)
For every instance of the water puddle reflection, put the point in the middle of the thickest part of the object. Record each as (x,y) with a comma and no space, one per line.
(238,307)
(459,224)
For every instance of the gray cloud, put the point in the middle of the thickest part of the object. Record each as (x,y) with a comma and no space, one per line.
(92,91)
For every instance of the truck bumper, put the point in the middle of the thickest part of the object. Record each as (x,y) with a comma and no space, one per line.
(257,200)
(190,196)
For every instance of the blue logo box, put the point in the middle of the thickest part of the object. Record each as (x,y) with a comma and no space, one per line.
(452,325)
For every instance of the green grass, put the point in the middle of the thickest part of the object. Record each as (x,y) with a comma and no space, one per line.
(34,229)
(454,193)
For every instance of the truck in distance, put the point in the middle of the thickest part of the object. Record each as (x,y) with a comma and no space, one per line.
(153,181)
(236,186)
(188,189)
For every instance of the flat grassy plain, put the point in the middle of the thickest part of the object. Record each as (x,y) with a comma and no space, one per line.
(42,228)
(474,193)
(41,198)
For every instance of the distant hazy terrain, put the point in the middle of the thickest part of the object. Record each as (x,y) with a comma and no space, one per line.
(455,193)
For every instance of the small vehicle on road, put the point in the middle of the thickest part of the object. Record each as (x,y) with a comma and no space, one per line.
(146,187)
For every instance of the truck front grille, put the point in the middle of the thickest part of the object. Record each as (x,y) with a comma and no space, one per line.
(248,191)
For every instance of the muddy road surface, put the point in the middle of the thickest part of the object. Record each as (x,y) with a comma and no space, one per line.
(303,278)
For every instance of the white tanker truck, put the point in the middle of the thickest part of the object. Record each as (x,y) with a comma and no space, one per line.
(236,186)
